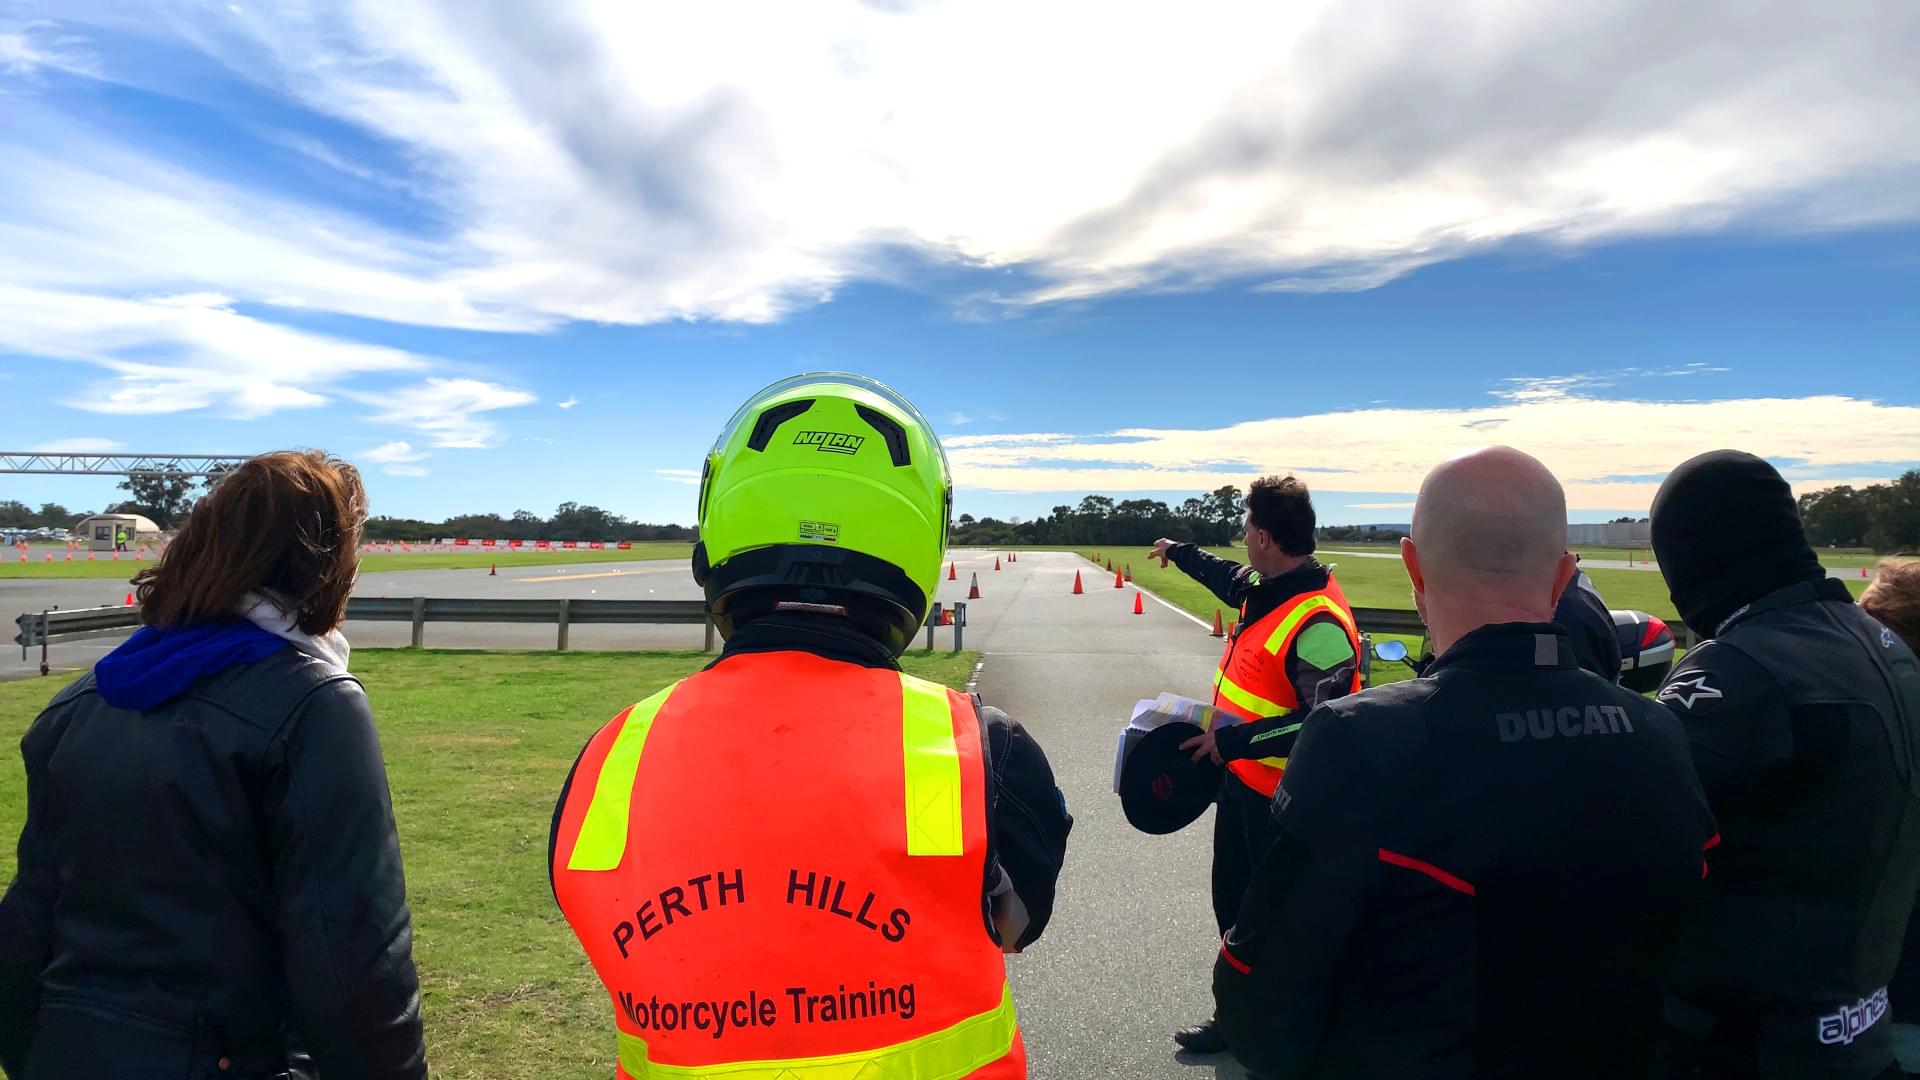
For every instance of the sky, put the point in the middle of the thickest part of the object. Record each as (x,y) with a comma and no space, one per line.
(505,256)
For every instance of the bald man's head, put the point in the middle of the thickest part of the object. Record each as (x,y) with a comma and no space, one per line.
(1490,526)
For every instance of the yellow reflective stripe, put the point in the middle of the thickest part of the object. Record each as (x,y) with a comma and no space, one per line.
(1278,639)
(603,832)
(1246,699)
(966,1047)
(932,759)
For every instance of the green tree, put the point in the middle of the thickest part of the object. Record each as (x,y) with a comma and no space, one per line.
(1894,514)
(1836,516)
(162,496)
(1228,508)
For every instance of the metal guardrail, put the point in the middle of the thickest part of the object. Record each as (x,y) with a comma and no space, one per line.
(47,627)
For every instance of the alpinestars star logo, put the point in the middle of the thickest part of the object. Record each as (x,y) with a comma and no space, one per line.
(1694,688)
(1886,638)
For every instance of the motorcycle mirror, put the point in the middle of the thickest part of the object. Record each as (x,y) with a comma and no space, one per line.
(1391,650)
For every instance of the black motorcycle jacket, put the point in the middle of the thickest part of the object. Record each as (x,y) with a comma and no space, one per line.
(210,888)
(1804,718)
(1478,873)
(1589,626)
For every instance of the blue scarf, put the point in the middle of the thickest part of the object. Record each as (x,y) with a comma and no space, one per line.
(154,666)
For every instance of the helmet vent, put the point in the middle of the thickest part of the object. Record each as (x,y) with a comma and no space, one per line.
(891,431)
(770,421)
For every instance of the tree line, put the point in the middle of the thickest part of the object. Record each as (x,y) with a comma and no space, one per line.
(1214,519)
(570,521)
(1884,517)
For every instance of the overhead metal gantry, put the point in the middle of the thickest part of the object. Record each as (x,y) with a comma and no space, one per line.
(32,464)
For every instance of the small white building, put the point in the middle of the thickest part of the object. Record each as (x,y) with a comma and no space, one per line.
(97,532)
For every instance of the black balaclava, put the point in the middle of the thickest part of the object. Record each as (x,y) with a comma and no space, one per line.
(1727,532)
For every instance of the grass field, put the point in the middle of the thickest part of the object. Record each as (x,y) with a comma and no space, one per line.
(477,745)
(103,565)
(1381,583)
(1834,560)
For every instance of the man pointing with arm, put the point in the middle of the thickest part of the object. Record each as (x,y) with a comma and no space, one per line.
(1294,647)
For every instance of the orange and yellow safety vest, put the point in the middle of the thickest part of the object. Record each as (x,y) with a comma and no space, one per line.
(1252,681)
(775,866)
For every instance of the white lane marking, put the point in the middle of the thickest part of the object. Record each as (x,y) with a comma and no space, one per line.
(1183,612)
(1149,594)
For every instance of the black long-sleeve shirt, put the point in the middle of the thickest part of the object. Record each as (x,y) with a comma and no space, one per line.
(1319,665)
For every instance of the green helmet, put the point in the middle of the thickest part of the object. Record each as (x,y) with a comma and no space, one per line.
(826,489)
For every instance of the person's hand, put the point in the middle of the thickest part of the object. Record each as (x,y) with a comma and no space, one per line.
(1159,551)
(1204,745)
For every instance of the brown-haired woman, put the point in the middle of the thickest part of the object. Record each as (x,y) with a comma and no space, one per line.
(209,880)
(1894,599)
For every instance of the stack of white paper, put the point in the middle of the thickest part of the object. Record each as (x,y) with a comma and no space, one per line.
(1165,709)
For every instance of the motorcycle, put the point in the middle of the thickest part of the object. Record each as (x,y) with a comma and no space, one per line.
(1647,650)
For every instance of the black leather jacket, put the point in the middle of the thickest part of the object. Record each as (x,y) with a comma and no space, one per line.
(209,886)
(1803,714)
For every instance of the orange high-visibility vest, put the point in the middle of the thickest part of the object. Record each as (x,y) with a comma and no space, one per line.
(776,866)
(1252,681)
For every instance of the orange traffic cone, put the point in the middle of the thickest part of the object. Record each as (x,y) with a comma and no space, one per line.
(1219,628)
(1139,606)
(129,602)
(493,569)
(1013,556)
(1117,583)
(1077,590)
(69,554)
(973,591)
(946,616)
(953,572)
(996,562)
(49,556)
(1129,571)
(1863,571)
(1109,566)
(116,556)
(89,555)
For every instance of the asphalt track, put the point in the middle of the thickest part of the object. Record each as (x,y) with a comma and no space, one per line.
(1129,955)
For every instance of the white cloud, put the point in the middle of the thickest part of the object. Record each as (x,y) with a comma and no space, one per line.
(959,419)
(1609,453)
(192,353)
(680,169)
(569,403)
(679,476)
(82,445)
(25,50)
(448,410)
(396,458)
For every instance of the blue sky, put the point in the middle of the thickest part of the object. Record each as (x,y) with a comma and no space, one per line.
(509,260)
